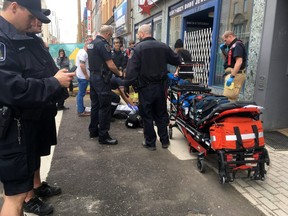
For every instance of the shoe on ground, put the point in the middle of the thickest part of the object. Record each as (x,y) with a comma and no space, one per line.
(151,148)
(93,135)
(108,141)
(45,190)
(84,114)
(38,207)
(62,108)
(165,146)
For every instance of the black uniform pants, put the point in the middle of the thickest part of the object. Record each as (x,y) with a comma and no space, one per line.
(153,107)
(100,95)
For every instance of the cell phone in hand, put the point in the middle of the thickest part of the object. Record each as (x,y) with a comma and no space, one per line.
(73,68)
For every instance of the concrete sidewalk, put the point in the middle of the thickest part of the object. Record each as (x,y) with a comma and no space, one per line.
(271,195)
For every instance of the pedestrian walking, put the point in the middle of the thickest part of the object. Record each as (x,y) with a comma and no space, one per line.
(24,94)
(83,77)
(235,64)
(148,65)
(101,68)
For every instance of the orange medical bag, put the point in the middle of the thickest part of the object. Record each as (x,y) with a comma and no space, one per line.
(236,133)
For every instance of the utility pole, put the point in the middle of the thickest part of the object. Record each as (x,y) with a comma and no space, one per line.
(79,38)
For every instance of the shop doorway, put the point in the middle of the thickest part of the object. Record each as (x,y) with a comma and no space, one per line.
(197,39)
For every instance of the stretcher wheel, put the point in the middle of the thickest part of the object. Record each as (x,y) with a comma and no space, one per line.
(222,177)
(200,165)
(192,149)
(170,133)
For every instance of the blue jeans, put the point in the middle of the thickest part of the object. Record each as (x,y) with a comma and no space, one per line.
(82,86)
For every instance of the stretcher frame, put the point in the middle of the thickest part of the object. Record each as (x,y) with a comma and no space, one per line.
(229,161)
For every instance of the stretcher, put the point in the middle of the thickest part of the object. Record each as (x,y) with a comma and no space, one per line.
(213,125)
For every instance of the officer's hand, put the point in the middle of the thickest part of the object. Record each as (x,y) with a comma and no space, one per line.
(64,77)
(230,80)
(223,46)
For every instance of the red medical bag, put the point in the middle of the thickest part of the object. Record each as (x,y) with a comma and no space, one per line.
(236,133)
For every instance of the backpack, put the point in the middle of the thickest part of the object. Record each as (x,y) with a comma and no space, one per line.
(133,120)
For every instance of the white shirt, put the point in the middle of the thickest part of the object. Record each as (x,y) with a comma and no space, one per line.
(83,57)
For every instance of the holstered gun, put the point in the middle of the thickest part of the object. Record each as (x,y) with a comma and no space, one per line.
(106,74)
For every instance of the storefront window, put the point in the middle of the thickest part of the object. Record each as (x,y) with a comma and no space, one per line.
(175,27)
(157,30)
(239,23)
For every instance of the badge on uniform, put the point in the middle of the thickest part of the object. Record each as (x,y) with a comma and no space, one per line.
(90,46)
(107,47)
(2,52)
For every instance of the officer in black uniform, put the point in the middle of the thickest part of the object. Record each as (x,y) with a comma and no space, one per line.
(23,95)
(119,57)
(100,66)
(120,60)
(148,65)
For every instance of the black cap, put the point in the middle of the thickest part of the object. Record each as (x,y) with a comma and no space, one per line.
(34,6)
(178,44)
(46,12)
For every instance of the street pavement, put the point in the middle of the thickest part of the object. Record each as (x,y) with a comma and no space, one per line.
(128,179)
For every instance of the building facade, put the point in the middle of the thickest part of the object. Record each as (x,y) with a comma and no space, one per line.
(260,24)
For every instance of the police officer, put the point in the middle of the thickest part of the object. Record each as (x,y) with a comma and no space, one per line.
(120,60)
(148,64)
(235,64)
(119,57)
(100,66)
(24,93)
(47,134)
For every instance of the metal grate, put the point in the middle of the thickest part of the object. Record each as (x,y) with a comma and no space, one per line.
(276,140)
(199,45)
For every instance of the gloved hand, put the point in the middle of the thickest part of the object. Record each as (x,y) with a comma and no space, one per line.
(223,46)
(230,81)
(130,106)
(134,108)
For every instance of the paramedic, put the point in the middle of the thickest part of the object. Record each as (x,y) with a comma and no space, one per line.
(235,63)
(148,65)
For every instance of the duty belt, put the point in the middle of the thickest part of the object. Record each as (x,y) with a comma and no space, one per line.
(95,72)
(229,69)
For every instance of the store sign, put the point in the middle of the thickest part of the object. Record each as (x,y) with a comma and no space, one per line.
(89,24)
(185,5)
(120,17)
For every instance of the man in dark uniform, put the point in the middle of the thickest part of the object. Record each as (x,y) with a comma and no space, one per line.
(23,95)
(148,64)
(235,64)
(47,133)
(100,66)
(120,60)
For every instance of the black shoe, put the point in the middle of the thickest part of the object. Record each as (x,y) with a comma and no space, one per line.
(112,119)
(62,108)
(46,190)
(93,135)
(151,148)
(108,141)
(165,146)
(38,207)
